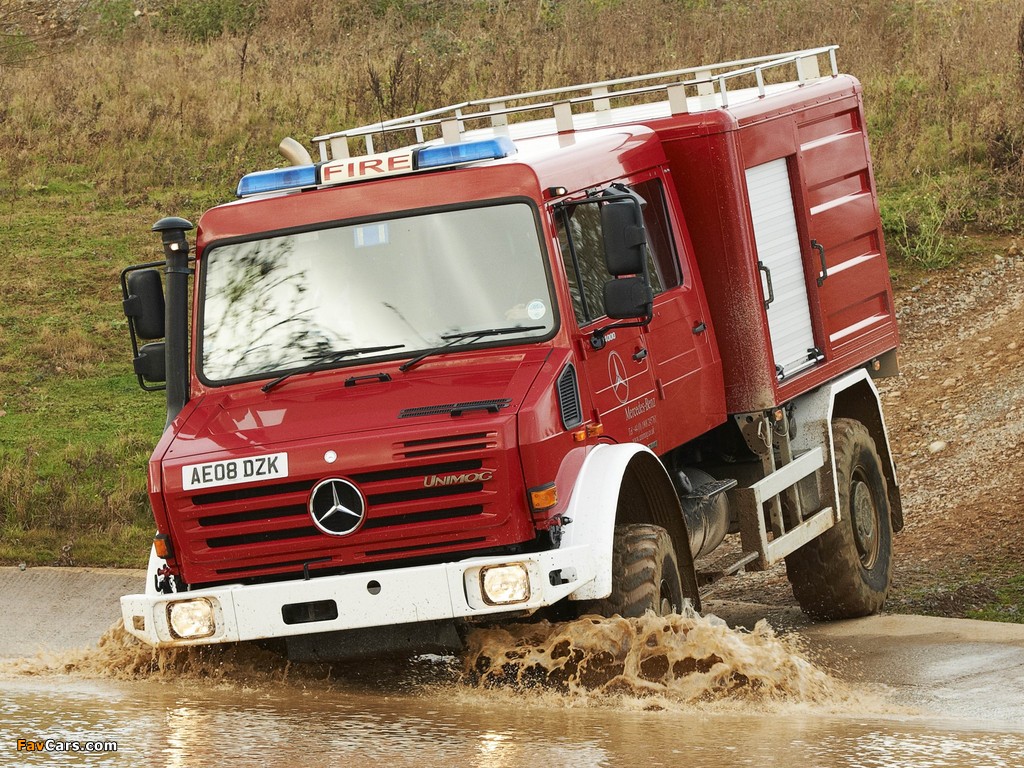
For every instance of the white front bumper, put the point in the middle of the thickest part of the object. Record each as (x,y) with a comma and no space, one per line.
(424,593)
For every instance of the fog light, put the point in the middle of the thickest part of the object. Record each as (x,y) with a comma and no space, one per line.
(505,584)
(191,619)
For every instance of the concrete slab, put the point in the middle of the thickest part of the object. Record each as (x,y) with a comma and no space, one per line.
(55,609)
(960,667)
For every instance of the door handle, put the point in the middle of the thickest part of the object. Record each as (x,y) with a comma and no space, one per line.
(640,355)
(821,255)
(768,277)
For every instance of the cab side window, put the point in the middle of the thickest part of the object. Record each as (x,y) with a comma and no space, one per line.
(662,257)
(580,240)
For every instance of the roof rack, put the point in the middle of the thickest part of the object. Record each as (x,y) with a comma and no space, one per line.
(709,83)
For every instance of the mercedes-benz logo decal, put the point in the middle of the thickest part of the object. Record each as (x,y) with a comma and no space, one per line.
(336,506)
(617,377)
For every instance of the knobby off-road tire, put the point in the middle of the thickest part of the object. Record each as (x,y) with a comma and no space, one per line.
(846,571)
(645,575)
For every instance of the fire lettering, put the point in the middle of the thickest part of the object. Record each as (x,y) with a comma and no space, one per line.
(341,171)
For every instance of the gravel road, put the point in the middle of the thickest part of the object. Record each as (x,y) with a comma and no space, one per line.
(955,416)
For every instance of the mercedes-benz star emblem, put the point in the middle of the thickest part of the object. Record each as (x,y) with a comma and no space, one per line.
(336,506)
(617,377)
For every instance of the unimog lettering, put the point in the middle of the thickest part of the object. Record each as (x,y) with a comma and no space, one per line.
(472,477)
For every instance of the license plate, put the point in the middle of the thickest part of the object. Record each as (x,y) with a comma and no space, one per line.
(234,471)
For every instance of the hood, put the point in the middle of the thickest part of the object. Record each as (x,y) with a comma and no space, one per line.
(322,404)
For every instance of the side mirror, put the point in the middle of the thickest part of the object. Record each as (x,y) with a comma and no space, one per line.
(622,227)
(151,363)
(628,298)
(144,305)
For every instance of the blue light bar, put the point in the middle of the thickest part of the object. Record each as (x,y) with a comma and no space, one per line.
(279,179)
(467,152)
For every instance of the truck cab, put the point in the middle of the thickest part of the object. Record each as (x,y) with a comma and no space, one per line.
(463,379)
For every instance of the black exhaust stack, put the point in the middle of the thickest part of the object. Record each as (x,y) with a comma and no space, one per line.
(172,230)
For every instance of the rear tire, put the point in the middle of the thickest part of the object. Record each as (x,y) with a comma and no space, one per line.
(645,574)
(846,572)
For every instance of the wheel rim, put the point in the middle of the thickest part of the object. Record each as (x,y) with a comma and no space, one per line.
(864,513)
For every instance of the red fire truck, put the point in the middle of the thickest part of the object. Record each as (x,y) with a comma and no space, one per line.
(543,352)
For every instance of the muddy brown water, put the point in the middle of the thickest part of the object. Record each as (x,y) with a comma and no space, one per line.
(676,691)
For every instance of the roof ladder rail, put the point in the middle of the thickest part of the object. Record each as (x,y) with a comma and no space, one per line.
(601,104)
(592,103)
(705,89)
(677,99)
(807,68)
(499,121)
(563,117)
(339,149)
(450,133)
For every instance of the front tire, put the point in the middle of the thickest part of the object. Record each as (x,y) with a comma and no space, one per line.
(846,572)
(645,574)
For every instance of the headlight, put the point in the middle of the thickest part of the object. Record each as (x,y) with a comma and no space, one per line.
(191,619)
(505,584)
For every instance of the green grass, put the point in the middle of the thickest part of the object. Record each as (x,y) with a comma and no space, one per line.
(75,431)
(987,593)
(1008,605)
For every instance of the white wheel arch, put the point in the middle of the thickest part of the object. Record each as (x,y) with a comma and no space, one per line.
(594,505)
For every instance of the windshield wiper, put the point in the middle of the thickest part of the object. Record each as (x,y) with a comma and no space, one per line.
(454,338)
(327,357)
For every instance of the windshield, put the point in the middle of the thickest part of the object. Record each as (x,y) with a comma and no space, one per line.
(273,305)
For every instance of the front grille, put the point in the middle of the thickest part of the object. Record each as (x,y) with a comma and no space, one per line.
(291,521)
(426,547)
(215,542)
(446,445)
(266,529)
(251,492)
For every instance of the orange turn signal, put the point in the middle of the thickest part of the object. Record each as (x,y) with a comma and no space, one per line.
(591,430)
(544,497)
(162,545)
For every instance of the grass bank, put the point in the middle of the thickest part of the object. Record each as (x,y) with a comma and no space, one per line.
(114,115)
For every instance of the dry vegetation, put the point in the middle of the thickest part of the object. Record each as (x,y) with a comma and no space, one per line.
(176,98)
(114,113)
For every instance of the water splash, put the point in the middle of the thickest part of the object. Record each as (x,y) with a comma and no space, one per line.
(650,662)
(681,658)
(120,656)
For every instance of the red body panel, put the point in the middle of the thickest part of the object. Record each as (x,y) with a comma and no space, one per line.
(819,130)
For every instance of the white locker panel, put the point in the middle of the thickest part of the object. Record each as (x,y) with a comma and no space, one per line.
(778,249)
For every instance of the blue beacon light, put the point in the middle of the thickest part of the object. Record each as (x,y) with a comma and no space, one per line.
(443,155)
(276,180)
